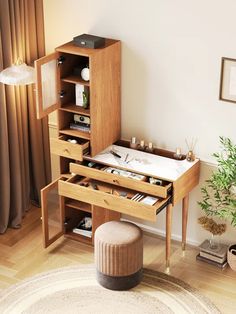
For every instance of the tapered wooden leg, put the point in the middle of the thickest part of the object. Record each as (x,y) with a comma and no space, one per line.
(184,220)
(168,235)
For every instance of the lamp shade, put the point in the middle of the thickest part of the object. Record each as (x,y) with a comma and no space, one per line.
(20,74)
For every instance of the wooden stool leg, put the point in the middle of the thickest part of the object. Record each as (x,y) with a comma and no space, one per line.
(168,235)
(184,220)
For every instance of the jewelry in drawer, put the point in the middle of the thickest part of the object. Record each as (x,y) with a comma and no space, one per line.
(122,178)
(113,197)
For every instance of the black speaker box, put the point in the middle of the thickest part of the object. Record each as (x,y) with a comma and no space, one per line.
(89,41)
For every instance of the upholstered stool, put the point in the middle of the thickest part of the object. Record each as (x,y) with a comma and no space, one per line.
(118,255)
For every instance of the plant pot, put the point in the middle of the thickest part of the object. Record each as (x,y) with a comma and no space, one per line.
(231,256)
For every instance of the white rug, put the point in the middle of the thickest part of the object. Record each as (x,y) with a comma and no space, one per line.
(75,290)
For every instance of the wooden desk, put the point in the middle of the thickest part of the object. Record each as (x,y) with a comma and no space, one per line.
(183,176)
(106,201)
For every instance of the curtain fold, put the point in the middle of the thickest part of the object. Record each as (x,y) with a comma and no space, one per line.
(24,144)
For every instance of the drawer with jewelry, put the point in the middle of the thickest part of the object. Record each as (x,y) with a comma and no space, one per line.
(122,178)
(117,198)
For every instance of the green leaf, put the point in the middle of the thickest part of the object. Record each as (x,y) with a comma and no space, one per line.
(217,196)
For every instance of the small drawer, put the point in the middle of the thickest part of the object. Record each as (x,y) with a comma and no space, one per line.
(62,147)
(157,190)
(110,196)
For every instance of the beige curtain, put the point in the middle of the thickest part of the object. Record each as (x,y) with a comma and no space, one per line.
(24,146)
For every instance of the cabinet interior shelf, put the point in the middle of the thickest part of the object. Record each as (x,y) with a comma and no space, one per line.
(75,109)
(78,237)
(79,205)
(67,175)
(75,133)
(74,79)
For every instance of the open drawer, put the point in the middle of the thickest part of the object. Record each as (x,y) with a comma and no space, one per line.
(138,185)
(111,196)
(62,147)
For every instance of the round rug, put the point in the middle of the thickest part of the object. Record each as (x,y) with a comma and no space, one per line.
(75,290)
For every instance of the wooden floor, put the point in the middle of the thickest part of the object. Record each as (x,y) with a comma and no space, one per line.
(22,255)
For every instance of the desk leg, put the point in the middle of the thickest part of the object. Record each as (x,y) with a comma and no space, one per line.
(168,235)
(184,220)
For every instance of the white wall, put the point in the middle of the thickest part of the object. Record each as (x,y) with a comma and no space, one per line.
(171,56)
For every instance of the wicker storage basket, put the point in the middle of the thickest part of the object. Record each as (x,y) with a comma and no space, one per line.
(231,256)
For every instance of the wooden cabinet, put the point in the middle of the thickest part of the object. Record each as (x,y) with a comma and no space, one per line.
(96,194)
(58,77)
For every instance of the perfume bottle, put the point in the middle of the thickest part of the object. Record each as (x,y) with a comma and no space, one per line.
(150,148)
(177,154)
(190,156)
(141,145)
(133,143)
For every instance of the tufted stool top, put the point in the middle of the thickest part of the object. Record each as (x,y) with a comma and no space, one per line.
(119,233)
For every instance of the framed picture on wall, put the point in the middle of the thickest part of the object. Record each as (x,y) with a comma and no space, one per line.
(228,80)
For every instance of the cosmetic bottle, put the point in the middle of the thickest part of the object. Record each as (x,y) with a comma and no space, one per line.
(141,145)
(149,148)
(177,154)
(133,143)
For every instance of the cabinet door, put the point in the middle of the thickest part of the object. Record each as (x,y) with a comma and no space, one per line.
(47,84)
(52,213)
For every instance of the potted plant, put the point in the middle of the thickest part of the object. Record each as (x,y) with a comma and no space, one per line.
(214,228)
(219,193)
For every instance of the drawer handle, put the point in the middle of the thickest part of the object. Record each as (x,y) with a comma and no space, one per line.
(66,151)
(106,202)
(116,181)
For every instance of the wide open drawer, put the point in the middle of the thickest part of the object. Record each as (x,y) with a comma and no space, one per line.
(158,190)
(111,197)
(62,147)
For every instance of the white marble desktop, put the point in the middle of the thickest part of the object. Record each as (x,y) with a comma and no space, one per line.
(146,163)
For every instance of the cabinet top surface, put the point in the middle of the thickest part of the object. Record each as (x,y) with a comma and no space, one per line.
(70,47)
(149,164)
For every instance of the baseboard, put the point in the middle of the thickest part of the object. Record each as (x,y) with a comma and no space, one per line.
(161,233)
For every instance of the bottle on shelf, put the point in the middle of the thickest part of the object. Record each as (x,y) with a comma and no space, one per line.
(177,154)
(150,148)
(190,156)
(133,143)
(141,145)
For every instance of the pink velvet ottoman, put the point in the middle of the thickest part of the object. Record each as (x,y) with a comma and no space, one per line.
(118,255)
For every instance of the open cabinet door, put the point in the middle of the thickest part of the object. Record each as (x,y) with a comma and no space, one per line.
(47,84)
(52,213)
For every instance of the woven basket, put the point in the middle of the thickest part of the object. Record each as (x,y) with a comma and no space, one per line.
(231,256)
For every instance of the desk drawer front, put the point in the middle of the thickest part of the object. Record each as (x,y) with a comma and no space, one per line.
(100,197)
(60,146)
(141,186)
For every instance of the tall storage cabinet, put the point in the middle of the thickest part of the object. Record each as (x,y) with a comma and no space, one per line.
(57,77)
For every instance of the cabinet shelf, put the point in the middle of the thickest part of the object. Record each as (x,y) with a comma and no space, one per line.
(75,133)
(78,237)
(74,79)
(75,109)
(79,205)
